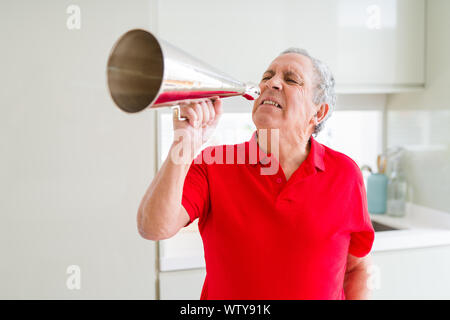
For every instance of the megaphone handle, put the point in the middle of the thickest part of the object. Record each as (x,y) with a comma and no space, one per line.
(177,111)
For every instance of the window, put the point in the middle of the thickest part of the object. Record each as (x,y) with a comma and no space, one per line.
(358,134)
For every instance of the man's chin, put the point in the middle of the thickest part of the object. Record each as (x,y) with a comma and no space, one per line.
(265,123)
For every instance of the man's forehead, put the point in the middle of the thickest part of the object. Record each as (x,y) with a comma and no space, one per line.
(292,62)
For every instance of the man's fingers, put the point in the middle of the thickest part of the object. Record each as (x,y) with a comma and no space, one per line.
(205,113)
(191,115)
(212,112)
(189,111)
(201,113)
(217,104)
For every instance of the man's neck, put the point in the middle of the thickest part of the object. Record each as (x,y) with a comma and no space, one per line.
(292,149)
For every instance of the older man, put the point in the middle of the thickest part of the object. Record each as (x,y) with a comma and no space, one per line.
(301,232)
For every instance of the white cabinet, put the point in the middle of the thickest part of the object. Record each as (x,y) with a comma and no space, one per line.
(371,45)
(380,44)
(181,285)
(395,275)
(411,274)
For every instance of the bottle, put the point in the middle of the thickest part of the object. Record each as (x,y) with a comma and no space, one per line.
(377,188)
(397,192)
(377,193)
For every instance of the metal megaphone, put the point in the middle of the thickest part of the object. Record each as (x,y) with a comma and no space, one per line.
(144,71)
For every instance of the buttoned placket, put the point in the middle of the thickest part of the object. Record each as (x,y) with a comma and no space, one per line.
(279,181)
(304,171)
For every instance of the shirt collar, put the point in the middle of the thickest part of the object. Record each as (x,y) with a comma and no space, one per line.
(315,156)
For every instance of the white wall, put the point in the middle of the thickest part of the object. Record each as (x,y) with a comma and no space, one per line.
(73,166)
(420,121)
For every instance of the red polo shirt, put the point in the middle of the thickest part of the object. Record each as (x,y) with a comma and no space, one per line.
(268,238)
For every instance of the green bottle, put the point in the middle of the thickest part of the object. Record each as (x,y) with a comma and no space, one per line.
(377,193)
(377,186)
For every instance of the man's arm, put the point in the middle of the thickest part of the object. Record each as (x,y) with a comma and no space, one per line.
(160,213)
(356,276)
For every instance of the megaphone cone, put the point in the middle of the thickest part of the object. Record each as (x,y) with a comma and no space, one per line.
(146,72)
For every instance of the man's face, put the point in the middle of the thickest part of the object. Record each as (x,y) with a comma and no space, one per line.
(289,82)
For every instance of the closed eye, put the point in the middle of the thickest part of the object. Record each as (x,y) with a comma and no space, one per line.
(294,81)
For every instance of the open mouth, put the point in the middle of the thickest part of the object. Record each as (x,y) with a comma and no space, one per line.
(271,102)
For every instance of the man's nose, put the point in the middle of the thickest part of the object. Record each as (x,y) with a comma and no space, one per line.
(274,83)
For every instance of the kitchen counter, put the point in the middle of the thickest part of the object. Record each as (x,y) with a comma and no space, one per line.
(420,228)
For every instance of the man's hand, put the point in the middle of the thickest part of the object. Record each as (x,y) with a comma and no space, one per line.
(356,276)
(202,119)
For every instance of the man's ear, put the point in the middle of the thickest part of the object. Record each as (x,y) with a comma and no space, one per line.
(322,112)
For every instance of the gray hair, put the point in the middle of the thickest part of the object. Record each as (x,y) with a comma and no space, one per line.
(324,88)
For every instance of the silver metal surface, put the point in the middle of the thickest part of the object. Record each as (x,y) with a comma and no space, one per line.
(144,71)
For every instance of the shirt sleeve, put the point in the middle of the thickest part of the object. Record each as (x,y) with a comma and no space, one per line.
(362,234)
(195,197)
